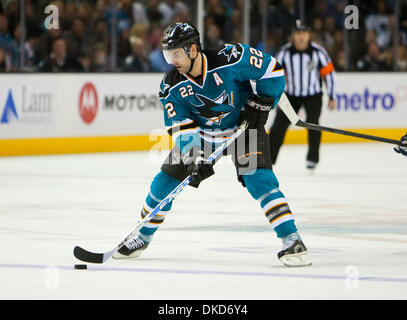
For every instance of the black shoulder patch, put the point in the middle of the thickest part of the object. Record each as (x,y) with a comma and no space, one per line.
(228,54)
(171,79)
(277,66)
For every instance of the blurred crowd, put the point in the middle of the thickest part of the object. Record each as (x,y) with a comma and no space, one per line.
(82,41)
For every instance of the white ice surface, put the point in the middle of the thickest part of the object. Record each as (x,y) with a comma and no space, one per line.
(216,242)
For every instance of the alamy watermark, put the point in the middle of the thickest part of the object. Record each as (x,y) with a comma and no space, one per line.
(52,20)
(352,18)
(244,150)
(352,277)
(51,281)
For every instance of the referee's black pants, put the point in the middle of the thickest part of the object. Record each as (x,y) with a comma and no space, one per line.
(312,106)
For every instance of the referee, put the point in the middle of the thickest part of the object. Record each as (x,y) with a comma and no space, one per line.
(306,64)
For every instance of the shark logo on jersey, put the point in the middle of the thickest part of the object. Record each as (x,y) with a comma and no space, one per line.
(164,91)
(230,51)
(214,110)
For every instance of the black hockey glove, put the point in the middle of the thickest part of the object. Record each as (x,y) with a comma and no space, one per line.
(402,147)
(256,111)
(199,169)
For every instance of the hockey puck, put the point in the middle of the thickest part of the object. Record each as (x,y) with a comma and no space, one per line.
(81,266)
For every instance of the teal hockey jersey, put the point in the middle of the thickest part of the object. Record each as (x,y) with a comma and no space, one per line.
(209,107)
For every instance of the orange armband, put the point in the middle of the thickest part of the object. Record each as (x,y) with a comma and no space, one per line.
(327,69)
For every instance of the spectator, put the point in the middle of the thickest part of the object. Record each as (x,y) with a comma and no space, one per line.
(328,34)
(126,7)
(84,12)
(340,60)
(154,37)
(320,8)
(182,16)
(4,61)
(283,18)
(137,61)
(100,32)
(388,56)
(338,11)
(216,12)
(403,23)
(317,30)
(123,15)
(99,9)
(229,27)
(12,12)
(86,23)
(402,61)
(379,21)
(157,61)
(372,60)
(156,58)
(213,39)
(32,22)
(44,44)
(360,48)
(29,58)
(337,48)
(169,9)
(141,31)
(237,36)
(153,13)
(70,12)
(76,38)
(139,13)
(85,61)
(100,61)
(5,37)
(123,44)
(271,45)
(59,60)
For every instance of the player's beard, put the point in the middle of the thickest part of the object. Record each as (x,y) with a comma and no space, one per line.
(183,69)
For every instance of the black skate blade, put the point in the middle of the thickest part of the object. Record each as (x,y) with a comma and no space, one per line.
(87,256)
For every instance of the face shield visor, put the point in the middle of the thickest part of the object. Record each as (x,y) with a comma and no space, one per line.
(173,56)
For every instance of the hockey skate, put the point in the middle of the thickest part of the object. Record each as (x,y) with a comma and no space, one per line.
(132,248)
(310,166)
(294,254)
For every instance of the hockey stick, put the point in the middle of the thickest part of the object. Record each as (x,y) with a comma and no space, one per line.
(92,257)
(286,107)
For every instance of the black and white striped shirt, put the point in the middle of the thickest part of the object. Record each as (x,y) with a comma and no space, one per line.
(305,70)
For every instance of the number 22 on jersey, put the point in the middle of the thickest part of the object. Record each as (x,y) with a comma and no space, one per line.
(255,59)
(186,91)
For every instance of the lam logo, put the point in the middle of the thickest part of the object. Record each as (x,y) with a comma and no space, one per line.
(9,109)
(88,102)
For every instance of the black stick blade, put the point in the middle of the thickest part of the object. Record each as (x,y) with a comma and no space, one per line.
(87,256)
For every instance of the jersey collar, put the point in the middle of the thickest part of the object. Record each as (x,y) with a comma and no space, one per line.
(204,72)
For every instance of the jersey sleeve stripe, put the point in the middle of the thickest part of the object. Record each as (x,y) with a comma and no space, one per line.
(274,69)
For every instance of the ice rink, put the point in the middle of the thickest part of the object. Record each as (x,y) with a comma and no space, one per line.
(215,243)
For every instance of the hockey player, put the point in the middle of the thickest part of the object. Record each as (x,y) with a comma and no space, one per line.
(205,97)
